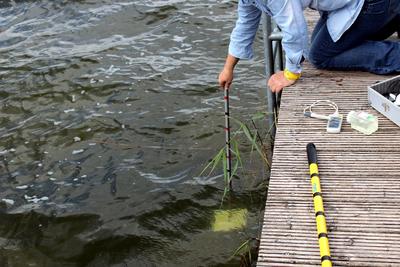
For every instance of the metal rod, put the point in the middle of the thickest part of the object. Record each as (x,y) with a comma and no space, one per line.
(322,231)
(269,71)
(280,56)
(228,137)
(279,66)
(276,36)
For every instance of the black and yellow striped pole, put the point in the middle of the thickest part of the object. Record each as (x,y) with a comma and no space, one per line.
(319,207)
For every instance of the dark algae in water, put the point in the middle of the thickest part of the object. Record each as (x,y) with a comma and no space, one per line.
(109,111)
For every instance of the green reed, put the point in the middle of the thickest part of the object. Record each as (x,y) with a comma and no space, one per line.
(253,137)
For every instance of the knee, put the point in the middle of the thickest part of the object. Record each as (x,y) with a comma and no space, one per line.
(317,59)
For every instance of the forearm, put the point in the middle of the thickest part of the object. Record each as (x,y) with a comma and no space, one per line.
(230,62)
(225,78)
(289,16)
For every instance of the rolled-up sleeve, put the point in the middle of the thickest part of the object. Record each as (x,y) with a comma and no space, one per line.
(242,37)
(288,14)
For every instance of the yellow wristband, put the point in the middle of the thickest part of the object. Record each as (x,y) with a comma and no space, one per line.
(290,75)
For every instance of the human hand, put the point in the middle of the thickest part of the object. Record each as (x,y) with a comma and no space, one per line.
(278,81)
(225,78)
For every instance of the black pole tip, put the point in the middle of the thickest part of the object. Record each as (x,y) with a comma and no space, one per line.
(311,153)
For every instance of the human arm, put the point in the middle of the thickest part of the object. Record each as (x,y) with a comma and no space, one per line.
(288,14)
(278,81)
(242,37)
(225,78)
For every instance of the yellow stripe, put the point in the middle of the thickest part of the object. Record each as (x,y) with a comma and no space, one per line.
(321,224)
(324,246)
(326,264)
(316,186)
(313,168)
(318,204)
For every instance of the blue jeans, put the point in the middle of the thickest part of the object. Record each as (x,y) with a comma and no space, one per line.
(363,45)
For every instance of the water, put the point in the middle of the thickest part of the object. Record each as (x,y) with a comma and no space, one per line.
(109,112)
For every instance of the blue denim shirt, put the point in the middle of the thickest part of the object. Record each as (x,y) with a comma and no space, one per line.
(288,14)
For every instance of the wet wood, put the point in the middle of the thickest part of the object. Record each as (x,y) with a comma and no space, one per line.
(360,179)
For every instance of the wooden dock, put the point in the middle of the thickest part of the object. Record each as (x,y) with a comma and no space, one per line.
(360,179)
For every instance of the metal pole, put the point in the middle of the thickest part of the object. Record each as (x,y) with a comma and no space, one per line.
(269,71)
(228,137)
(279,55)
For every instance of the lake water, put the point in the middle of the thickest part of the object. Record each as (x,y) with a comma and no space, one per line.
(109,112)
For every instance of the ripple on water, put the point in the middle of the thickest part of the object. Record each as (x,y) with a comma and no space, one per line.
(165,180)
(110,110)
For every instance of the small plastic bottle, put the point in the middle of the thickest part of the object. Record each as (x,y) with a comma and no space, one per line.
(363,121)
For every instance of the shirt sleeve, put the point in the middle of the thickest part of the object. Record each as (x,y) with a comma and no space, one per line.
(288,14)
(242,37)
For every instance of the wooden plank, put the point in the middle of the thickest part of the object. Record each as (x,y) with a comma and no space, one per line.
(360,179)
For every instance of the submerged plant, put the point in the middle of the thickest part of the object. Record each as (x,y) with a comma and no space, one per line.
(221,158)
(245,251)
(251,136)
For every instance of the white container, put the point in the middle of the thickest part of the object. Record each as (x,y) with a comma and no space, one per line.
(381,103)
(363,121)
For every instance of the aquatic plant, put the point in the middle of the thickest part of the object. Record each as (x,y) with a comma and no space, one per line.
(246,250)
(257,144)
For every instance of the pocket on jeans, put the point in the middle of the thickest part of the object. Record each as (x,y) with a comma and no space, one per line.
(374,7)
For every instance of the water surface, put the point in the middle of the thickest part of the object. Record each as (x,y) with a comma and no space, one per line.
(109,112)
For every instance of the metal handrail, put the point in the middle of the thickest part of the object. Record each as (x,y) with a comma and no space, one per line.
(273,54)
